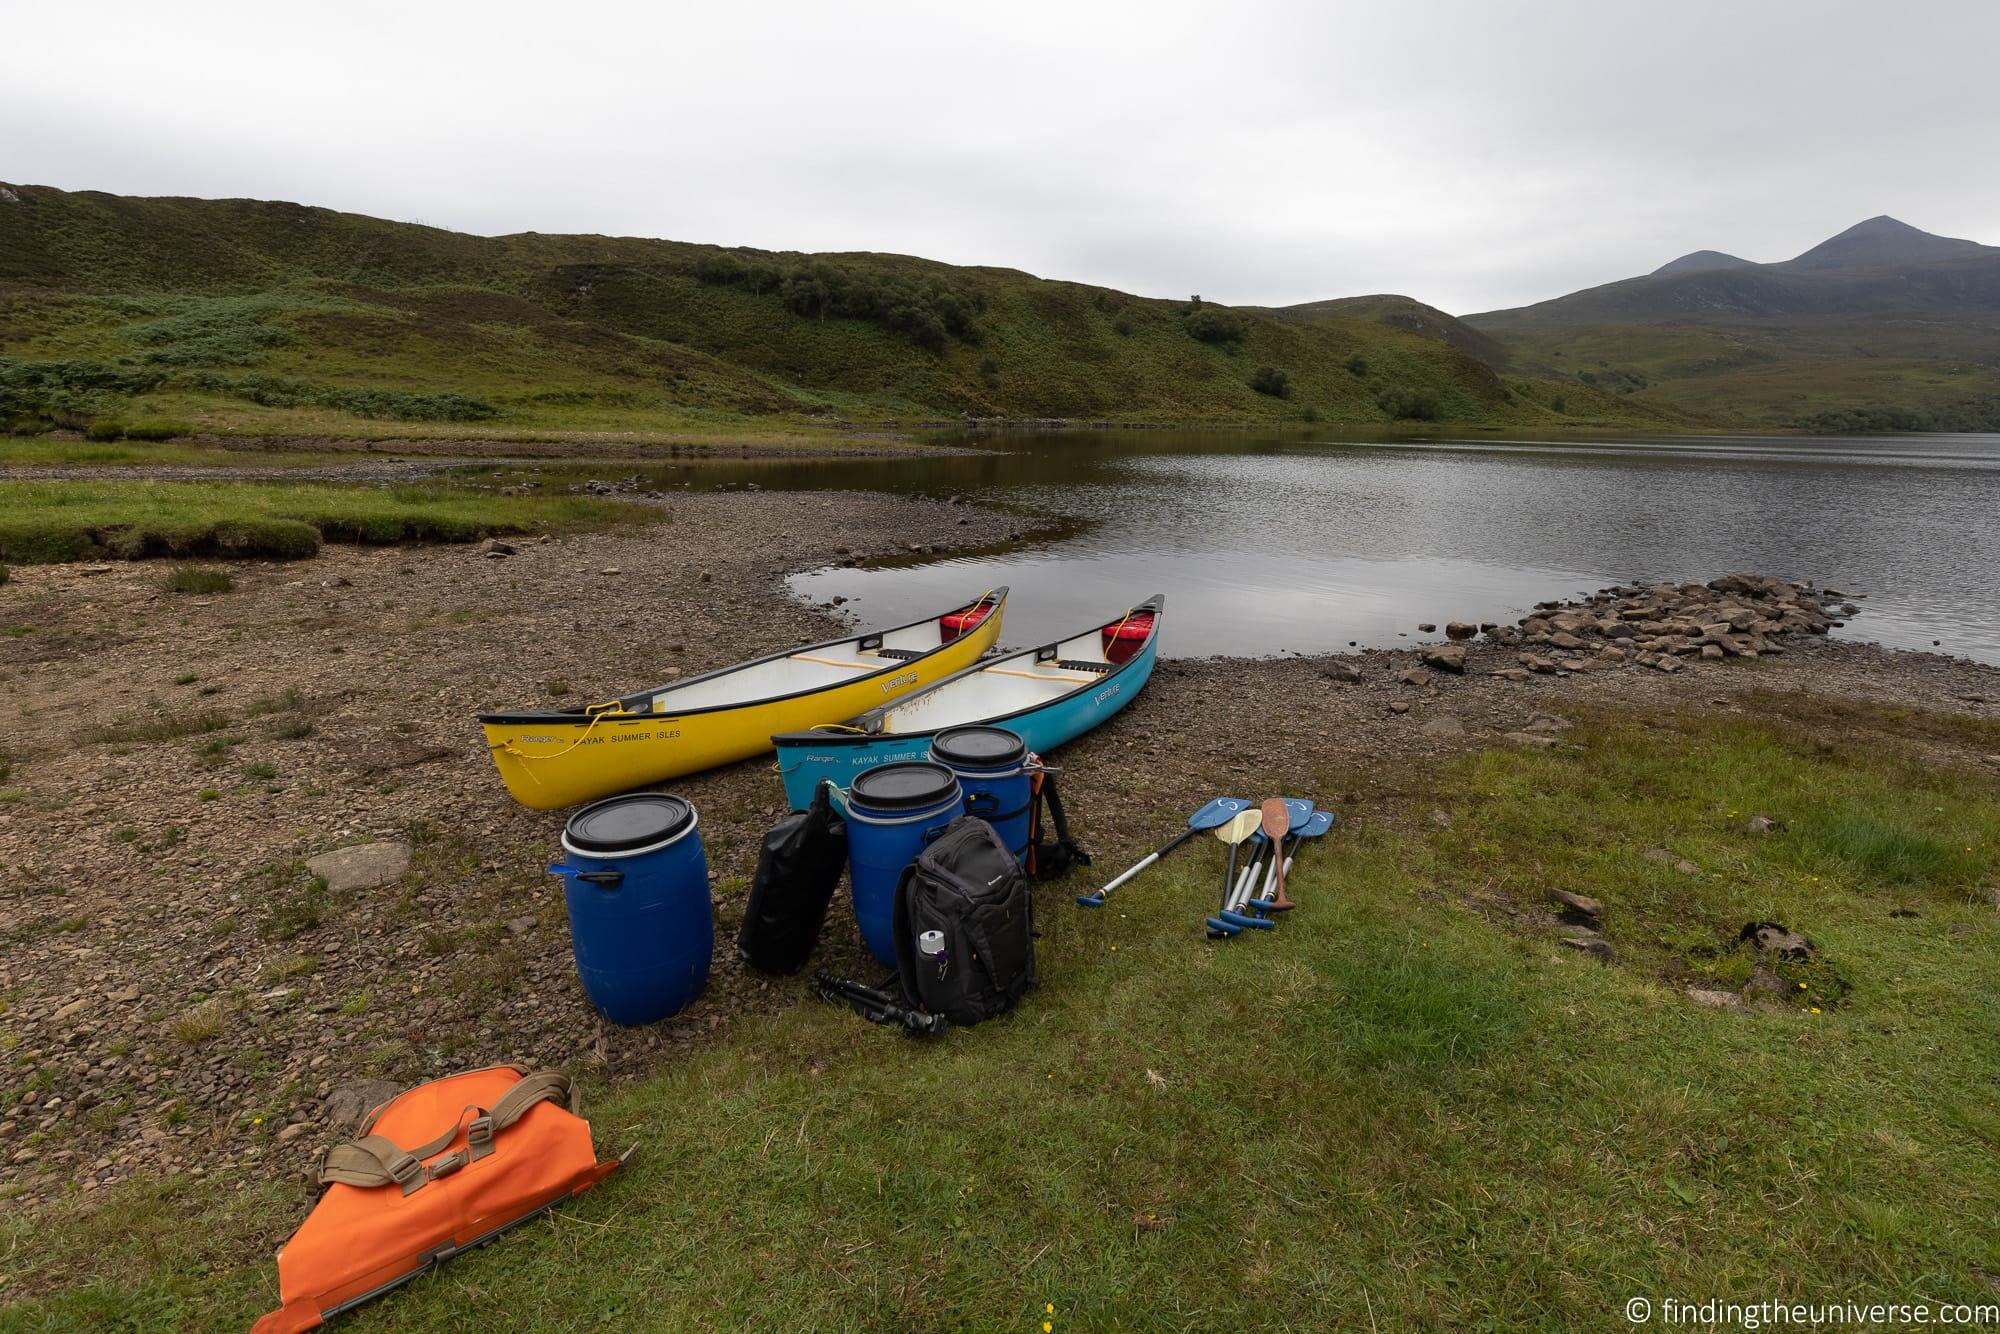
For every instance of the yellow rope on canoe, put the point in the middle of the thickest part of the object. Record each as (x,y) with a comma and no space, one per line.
(613,710)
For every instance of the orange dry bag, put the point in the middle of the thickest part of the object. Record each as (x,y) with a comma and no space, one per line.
(440,1169)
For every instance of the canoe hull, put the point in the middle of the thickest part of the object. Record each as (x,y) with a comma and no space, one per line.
(805,761)
(549,764)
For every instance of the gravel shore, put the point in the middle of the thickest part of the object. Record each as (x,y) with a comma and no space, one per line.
(179,995)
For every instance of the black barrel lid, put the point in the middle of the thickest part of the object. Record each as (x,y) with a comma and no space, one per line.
(626,824)
(905,785)
(978,747)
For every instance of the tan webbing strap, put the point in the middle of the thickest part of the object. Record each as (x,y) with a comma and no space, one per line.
(377,1160)
(511,1106)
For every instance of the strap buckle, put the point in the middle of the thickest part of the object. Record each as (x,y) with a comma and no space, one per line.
(406,1170)
(448,1164)
(479,1136)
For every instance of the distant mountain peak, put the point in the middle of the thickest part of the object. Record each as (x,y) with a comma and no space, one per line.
(1699,261)
(1882,242)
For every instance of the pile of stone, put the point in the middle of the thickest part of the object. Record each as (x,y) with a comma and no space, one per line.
(624,486)
(1662,625)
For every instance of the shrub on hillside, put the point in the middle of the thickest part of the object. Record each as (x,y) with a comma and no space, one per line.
(1209,325)
(41,395)
(1422,405)
(1272,381)
(272,392)
(1356,364)
(1976,415)
(105,428)
(213,331)
(928,314)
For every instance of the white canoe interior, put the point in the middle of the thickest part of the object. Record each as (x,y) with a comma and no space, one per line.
(1005,685)
(812,668)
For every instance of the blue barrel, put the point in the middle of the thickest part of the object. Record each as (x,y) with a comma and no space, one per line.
(635,879)
(893,810)
(992,767)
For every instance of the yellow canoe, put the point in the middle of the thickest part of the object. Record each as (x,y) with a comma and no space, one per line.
(559,757)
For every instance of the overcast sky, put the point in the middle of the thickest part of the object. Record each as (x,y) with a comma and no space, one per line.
(1473,155)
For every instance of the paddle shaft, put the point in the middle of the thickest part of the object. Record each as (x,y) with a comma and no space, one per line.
(1239,891)
(1148,860)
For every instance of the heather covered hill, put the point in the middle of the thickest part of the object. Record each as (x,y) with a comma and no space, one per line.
(255,316)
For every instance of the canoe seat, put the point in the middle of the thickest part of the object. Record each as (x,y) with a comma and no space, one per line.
(1078,666)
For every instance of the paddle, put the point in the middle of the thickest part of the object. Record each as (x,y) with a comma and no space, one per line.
(1218,811)
(1227,921)
(1318,823)
(1278,819)
(1241,827)
(1298,810)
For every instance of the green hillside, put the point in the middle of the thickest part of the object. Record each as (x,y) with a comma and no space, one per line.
(238,316)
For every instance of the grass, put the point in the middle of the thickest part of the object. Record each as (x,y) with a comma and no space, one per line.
(167,725)
(59,452)
(1407,1108)
(74,520)
(1778,375)
(202,1024)
(195,579)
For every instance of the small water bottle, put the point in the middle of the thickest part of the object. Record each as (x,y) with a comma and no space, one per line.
(931,945)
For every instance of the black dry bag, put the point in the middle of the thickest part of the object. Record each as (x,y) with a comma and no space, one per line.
(964,924)
(797,872)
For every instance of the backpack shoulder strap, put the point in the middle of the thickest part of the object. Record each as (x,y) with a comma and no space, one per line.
(1064,853)
(906,944)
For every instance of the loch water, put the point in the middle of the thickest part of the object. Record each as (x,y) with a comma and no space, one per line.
(1273,542)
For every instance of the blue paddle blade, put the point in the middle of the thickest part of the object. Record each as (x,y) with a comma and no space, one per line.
(1217,813)
(1300,809)
(1320,822)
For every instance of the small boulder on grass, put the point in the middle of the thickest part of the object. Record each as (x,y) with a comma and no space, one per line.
(199,579)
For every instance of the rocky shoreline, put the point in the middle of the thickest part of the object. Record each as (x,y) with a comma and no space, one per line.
(1655,625)
(184,992)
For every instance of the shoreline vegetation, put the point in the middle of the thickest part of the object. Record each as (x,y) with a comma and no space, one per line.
(1610,981)
(58,521)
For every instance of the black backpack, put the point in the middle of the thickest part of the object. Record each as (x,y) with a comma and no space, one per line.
(797,872)
(967,887)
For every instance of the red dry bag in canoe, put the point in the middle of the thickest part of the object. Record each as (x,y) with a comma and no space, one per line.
(438,1170)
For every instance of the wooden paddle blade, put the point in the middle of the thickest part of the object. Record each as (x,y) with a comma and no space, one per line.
(1277,819)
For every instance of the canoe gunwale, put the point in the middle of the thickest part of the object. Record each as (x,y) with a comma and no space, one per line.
(1155,604)
(616,709)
